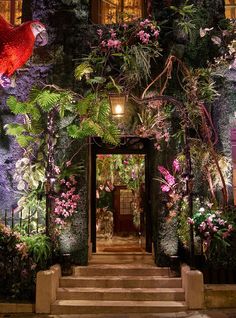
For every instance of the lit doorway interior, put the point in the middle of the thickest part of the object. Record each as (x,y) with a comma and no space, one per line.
(120,196)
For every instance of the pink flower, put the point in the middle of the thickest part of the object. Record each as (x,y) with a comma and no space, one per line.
(190,221)
(125,26)
(202,227)
(57,170)
(144,23)
(143,36)
(103,43)
(113,33)
(165,188)
(68,163)
(156,34)
(176,165)
(115,44)
(62,181)
(170,179)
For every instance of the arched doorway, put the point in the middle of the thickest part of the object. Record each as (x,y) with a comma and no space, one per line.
(120,214)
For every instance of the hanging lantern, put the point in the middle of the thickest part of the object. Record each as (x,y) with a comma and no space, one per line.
(117,102)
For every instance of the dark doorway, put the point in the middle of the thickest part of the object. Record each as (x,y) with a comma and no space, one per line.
(120,213)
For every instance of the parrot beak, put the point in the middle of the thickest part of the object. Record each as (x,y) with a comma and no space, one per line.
(41,38)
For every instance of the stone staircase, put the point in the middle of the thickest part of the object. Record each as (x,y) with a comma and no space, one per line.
(123,286)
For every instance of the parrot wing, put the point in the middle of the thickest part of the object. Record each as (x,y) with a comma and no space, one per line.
(4,25)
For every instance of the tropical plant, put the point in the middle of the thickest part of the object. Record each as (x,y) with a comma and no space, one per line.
(173,185)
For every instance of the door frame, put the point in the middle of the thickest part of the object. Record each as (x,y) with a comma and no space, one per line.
(128,145)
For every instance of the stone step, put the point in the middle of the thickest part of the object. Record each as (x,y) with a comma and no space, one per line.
(143,294)
(121,258)
(100,307)
(121,270)
(121,282)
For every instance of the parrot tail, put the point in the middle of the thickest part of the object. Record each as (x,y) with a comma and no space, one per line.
(5,81)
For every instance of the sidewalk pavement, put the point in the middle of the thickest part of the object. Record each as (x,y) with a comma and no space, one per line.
(213,313)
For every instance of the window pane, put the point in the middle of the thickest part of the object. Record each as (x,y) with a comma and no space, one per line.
(132,9)
(127,9)
(230,9)
(109,11)
(18,11)
(5,9)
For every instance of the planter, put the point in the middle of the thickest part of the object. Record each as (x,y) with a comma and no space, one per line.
(66,266)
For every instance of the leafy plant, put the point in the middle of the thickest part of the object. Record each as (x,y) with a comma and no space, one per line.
(39,248)
(214,229)
(122,59)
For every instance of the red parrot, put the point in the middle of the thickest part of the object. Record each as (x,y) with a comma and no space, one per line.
(16,46)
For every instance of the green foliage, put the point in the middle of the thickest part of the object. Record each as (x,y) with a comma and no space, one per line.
(84,69)
(96,120)
(185,13)
(48,100)
(39,248)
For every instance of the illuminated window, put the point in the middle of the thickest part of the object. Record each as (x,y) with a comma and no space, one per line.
(230,9)
(11,10)
(112,11)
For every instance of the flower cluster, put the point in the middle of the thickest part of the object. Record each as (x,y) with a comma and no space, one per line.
(211,227)
(67,202)
(172,185)
(144,32)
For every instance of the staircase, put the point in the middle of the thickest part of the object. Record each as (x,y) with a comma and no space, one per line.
(120,284)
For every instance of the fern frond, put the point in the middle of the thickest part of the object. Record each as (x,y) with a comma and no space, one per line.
(93,128)
(83,69)
(14,129)
(24,141)
(17,107)
(111,134)
(85,104)
(101,111)
(73,131)
(48,100)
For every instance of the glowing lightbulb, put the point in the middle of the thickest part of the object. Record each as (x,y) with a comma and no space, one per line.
(118,109)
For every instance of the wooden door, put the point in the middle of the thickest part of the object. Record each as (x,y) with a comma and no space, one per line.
(123,216)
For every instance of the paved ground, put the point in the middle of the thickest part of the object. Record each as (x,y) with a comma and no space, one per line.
(214,313)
